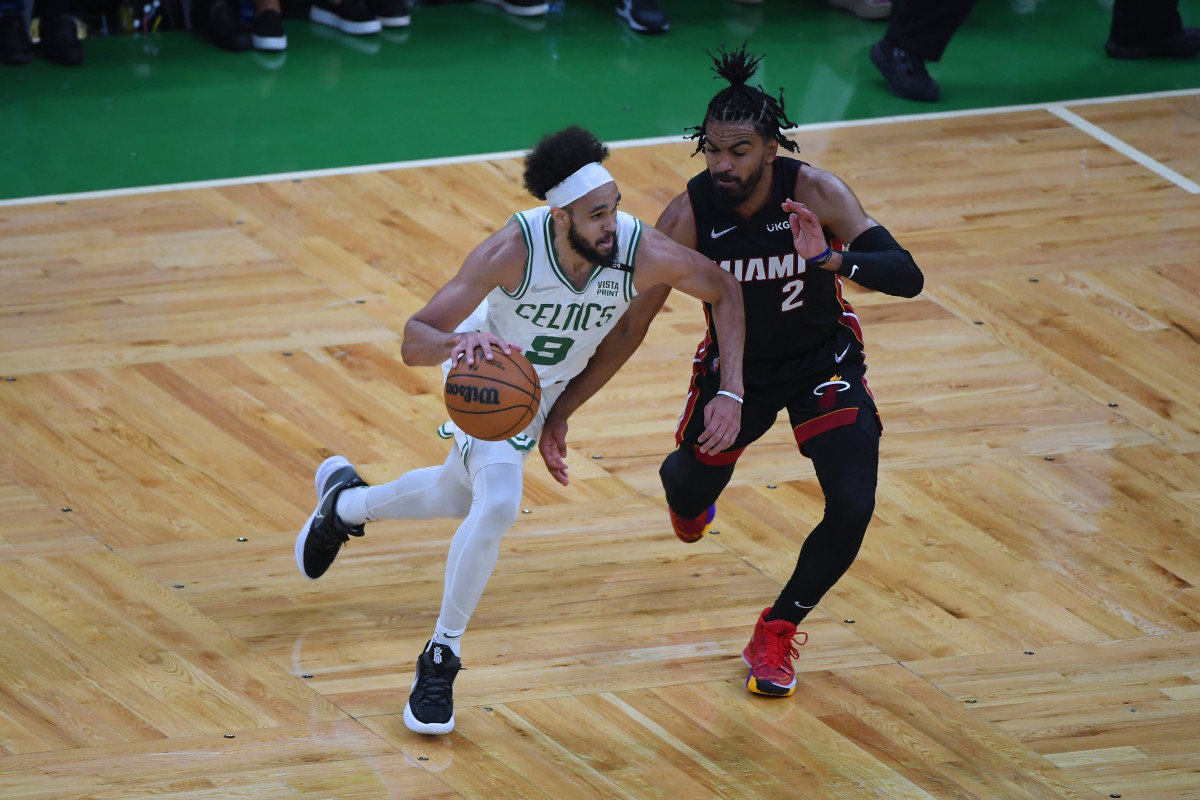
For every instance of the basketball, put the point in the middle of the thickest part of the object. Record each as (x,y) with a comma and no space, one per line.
(493,400)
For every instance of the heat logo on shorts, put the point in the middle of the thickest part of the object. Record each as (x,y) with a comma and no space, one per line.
(827,392)
(836,383)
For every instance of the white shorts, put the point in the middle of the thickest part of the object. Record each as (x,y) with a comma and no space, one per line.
(477,453)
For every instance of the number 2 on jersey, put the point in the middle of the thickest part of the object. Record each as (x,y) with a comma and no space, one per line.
(793,290)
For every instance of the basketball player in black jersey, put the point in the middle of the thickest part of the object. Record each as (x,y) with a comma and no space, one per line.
(789,232)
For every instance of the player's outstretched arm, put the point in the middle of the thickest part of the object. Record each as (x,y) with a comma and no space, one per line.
(617,346)
(429,336)
(661,259)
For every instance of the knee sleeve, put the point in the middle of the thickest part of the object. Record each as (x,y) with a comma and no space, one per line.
(496,497)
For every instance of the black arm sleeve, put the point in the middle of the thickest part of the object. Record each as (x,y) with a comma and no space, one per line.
(876,261)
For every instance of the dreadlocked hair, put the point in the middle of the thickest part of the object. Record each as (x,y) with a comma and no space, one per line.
(558,156)
(742,103)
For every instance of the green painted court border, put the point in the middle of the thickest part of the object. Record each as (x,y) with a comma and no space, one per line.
(170,110)
(1058,109)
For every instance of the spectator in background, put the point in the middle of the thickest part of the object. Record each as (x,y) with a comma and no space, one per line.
(361,17)
(643,16)
(58,33)
(221,23)
(1150,29)
(918,32)
(863,9)
(16,46)
(266,30)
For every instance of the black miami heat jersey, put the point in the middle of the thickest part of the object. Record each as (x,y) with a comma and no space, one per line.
(791,310)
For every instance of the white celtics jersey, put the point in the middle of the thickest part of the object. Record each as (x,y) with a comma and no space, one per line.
(560,326)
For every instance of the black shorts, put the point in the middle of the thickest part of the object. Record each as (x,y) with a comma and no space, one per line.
(819,394)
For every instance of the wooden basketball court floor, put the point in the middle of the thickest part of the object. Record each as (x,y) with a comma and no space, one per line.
(1023,620)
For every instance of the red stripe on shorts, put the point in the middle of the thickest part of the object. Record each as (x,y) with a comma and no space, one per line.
(834,419)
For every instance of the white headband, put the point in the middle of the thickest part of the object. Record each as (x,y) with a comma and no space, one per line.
(577,184)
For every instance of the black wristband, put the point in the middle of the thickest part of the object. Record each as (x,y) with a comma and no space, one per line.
(822,259)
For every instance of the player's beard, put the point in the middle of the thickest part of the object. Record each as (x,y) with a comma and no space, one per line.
(588,250)
(727,198)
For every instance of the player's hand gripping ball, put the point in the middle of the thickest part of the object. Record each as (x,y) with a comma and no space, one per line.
(493,400)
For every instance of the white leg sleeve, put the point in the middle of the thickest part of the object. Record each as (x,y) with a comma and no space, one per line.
(427,493)
(496,502)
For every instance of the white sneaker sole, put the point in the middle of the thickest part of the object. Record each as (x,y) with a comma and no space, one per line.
(301,538)
(521,11)
(270,43)
(323,17)
(328,466)
(416,726)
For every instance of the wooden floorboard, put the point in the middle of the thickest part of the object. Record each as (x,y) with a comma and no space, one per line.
(1022,622)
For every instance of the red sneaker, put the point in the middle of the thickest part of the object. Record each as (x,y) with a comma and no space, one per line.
(690,530)
(769,656)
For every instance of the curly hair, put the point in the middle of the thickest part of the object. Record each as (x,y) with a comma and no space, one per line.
(739,102)
(558,155)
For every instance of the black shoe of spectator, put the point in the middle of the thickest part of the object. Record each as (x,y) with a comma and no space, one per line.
(222,23)
(390,13)
(15,45)
(348,16)
(1184,44)
(267,32)
(522,8)
(60,40)
(643,16)
(905,74)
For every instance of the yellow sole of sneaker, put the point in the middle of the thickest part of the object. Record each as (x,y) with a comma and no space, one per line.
(768,689)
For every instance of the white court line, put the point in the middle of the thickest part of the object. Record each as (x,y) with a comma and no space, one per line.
(1130,152)
(1057,109)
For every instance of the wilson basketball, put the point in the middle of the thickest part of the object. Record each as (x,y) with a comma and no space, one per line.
(493,400)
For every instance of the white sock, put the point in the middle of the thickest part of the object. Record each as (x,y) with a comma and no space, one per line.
(452,639)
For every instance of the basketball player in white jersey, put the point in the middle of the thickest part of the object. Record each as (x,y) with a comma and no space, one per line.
(553,282)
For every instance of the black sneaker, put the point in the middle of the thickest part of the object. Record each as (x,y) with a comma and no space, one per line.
(643,16)
(1182,44)
(222,23)
(391,13)
(348,16)
(324,534)
(430,707)
(60,40)
(268,31)
(522,8)
(905,74)
(15,45)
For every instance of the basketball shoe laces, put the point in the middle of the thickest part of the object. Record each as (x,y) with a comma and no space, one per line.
(337,536)
(777,649)
(437,684)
